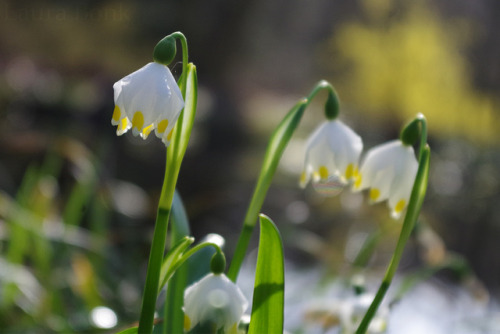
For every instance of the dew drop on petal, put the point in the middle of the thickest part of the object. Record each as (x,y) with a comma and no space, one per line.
(330,186)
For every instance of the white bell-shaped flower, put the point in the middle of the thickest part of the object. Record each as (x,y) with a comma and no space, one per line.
(215,299)
(389,171)
(146,100)
(332,155)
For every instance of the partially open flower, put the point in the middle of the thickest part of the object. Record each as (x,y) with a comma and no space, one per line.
(146,100)
(332,155)
(214,300)
(389,171)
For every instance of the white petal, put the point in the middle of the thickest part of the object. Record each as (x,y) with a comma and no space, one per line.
(376,159)
(214,298)
(389,170)
(329,151)
(403,184)
(345,145)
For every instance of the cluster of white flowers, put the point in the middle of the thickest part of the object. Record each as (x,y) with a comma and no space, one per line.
(150,99)
(332,162)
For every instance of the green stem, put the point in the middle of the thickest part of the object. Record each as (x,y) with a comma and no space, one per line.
(416,201)
(277,144)
(153,274)
(323,84)
(150,295)
(186,256)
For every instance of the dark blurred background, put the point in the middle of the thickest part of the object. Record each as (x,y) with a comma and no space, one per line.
(388,60)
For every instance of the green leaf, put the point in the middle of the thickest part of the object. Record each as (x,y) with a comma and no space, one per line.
(268,293)
(132,330)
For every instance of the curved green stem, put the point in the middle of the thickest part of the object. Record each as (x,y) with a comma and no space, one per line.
(277,144)
(414,206)
(321,85)
(184,258)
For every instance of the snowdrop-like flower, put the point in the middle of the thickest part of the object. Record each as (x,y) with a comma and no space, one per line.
(332,155)
(146,100)
(389,171)
(214,299)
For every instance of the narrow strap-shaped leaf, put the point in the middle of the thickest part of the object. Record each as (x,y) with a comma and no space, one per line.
(268,293)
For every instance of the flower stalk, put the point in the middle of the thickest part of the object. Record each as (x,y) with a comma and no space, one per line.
(412,213)
(175,154)
(277,144)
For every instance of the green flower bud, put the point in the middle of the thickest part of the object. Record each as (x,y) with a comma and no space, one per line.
(165,50)
(411,132)
(332,105)
(218,263)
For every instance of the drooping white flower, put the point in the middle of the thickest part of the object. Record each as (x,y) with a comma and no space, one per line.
(146,100)
(389,171)
(214,299)
(332,155)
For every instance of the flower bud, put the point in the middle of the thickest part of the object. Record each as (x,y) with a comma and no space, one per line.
(218,263)
(164,52)
(411,132)
(332,106)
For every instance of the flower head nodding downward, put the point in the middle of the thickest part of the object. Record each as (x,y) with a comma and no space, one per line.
(389,171)
(146,100)
(332,155)
(214,300)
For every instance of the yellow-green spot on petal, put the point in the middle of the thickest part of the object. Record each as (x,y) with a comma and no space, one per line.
(233,329)
(303,178)
(349,171)
(162,125)
(117,114)
(147,130)
(187,323)
(122,126)
(138,120)
(400,206)
(323,172)
(169,136)
(374,194)
(357,179)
